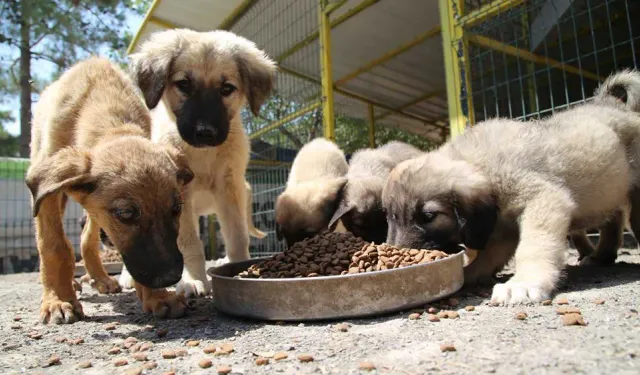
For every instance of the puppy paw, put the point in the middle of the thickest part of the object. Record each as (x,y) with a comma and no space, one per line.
(591,260)
(77,286)
(519,292)
(53,310)
(105,285)
(221,261)
(193,288)
(165,304)
(125,280)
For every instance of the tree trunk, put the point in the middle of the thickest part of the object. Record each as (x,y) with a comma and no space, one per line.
(25,79)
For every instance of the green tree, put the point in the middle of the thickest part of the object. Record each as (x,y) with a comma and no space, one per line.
(9,145)
(59,32)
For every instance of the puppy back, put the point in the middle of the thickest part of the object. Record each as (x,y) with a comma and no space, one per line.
(318,159)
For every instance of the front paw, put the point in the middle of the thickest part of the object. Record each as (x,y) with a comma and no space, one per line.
(592,260)
(105,285)
(53,310)
(125,280)
(165,304)
(193,287)
(519,292)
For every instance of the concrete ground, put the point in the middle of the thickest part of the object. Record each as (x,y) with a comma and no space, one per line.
(487,340)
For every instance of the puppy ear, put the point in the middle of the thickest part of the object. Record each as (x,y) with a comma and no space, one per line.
(150,66)
(183,172)
(343,208)
(621,88)
(279,232)
(69,168)
(476,219)
(257,71)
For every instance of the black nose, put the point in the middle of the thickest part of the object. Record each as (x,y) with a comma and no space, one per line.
(205,134)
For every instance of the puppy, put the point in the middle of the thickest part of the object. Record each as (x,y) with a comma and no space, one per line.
(196,84)
(310,199)
(91,142)
(513,188)
(360,207)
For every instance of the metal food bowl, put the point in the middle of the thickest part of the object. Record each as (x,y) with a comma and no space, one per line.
(334,297)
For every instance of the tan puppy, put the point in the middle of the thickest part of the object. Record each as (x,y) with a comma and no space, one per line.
(91,142)
(310,199)
(197,84)
(360,208)
(513,188)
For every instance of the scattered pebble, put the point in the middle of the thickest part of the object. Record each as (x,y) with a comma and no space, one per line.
(150,365)
(223,370)
(470,308)
(209,349)
(366,366)
(342,327)
(599,301)
(447,348)
(141,357)
(162,332)
(85,364)
(54,360)
(261,361)
(114,351)
(433,318)
(573,320)
(205,363)
(76,341)
(119,362)
(168,354)
(305,357)
(414,316)
(280,356)
(193,343)
(546,302)
(521,315)
(110,326)
(562,301)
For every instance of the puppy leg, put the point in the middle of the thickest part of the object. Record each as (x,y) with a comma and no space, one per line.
(582,243)
(500,248)
(540,255)
(634,215)
(57,263)
(160,302)
(125,280)
(194,280)
(231,208)
(610,241)
(253,231)
(90,247)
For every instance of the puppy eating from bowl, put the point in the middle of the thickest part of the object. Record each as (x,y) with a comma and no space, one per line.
(512,189)
(196,84)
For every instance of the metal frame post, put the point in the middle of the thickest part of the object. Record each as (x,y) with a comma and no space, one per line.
(328,116)
(372,125)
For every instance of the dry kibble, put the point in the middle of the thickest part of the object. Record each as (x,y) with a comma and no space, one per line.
(114,351)
(145,346)
(60,340)
(342,327)
(120,362)
(562,310)
(134,371)
(223,370)
(209,349)
(433,318)
(432,310)
(573,320)
(85,364)
(599,301)
(76,341)
(140,357)
(366,366)
(205,363)
(35,335)
(562,301)
(414,316)
(181,352)
(162,332)
(447,347)
(452,314)
(521,315)
(150,365)
(54,360)
(261,361)
(546,302)
(305,357)
(442,315)
(170,372)
(168,354)
(226,348)
(192,343)
(280,356)
(110,326)
(470,308)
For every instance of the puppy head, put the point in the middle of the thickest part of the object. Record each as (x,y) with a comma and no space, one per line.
(304,210)
(435,202)
(205,77)
(360,209)
(132,188)
(621,90)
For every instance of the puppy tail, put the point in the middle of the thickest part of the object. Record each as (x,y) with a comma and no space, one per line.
(621,89)
(253,231)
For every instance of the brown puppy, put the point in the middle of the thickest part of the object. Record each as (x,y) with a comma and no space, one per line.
(91,142)
(196,84)
(513,188)
(360,207)
(310,199)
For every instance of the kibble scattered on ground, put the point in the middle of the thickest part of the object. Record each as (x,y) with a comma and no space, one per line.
(447,347)
(366,366)
(305,357)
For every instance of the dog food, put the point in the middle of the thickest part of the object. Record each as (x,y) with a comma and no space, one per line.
(367,366)
(279,356)
(205,363)
(305,357)
(85,364)
(521,315)
(447,347)
(332,254)
(573,319)
(119,362)
(261,361)
(223,370)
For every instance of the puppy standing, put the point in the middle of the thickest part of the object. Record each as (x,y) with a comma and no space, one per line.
(509,187)
(310,199)
(360,207)
(197,84)
(91,142)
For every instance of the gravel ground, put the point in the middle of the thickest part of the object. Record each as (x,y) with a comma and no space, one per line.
(487,340)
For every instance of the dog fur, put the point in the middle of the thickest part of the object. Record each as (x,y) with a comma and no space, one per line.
(360,208)
(90,142)
(196,84)
(311,196)
(514,188)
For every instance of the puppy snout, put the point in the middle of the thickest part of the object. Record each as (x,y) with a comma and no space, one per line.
(206,133)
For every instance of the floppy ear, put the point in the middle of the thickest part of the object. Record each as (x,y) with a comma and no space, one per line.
(257,71)
(279,232)
(69,168)
(150,67)
(477,218)
(183,172)
(343,208)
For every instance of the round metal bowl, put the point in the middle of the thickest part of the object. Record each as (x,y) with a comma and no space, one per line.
(334,297)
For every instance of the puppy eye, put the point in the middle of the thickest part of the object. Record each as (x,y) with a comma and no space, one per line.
(227,89)
(177,207)
(185,86)
(127,215)
(426,217)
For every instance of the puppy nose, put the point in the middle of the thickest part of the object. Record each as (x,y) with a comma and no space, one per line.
(205,132)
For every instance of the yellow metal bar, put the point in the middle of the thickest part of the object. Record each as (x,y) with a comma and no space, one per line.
(284,120)
(236,14)
(146,18)
(163,23)
(335,5)
(531,68)
(390,55)
(529,56)
(486,12)
(451,33)
(326,74)
(338,21)
(372,125)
